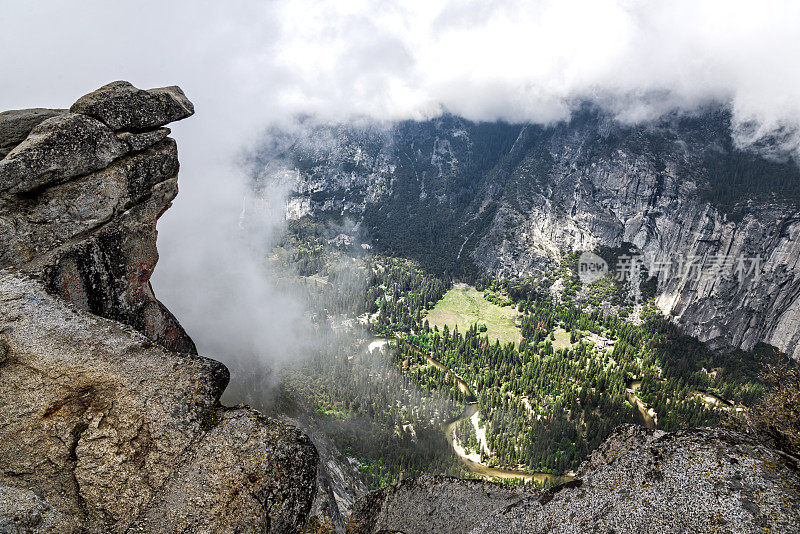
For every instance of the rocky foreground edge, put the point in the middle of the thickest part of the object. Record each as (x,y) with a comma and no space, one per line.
(109,421)
(639,481)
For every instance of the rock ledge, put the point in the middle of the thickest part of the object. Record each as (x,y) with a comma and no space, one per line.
(109,420)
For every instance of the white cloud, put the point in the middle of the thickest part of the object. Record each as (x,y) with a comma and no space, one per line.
(247,64)
(530,60)
(516,60)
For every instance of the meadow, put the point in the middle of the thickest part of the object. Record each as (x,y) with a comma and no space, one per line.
(464,306)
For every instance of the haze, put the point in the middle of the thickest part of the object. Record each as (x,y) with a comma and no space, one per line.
(248,65)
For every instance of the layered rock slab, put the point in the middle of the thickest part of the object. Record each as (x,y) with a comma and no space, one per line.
(119,434)
(59,148)
(16,124)
(121,106)
(78,208)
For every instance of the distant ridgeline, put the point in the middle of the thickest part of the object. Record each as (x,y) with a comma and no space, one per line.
(467,199)
(438,183)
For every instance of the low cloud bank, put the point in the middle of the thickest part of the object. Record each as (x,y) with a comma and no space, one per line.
(249,65)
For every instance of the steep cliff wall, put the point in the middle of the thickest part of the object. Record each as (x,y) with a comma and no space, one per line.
(510,198)
(108,420)
(647,187)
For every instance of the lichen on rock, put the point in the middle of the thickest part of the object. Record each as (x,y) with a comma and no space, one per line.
(698,480)
(638,480)
(121,106)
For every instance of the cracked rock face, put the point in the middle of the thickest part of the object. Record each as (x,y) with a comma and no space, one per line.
(117,433)
(78,207)
(109,421)
(338,482)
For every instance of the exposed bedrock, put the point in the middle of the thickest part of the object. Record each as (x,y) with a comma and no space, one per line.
(109,420)
(689,481)
(432,505)
(117,434)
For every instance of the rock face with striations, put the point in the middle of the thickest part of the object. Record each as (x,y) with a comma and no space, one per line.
(79,203)
(103,426)
(509,199)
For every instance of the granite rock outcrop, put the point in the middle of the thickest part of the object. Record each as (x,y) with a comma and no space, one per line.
(109,420)
(689,481)
(79,201)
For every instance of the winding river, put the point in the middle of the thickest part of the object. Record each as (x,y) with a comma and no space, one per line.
(472,461)
(647,417)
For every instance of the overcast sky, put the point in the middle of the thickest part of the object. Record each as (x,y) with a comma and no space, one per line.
(254,61)
(246,64)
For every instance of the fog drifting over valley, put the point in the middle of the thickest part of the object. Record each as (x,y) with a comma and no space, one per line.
(248,65)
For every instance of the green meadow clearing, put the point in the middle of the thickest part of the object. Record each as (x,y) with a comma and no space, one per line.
(464,306)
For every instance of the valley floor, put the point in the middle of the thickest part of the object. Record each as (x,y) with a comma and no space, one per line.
(524,377)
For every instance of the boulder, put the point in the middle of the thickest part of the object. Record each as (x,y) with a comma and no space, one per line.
(56,150)
(121,106)
(118,433)
(248,471)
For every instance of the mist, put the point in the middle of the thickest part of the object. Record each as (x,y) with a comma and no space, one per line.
(250,66)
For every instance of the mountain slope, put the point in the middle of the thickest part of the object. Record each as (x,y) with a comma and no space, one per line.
(466,198)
